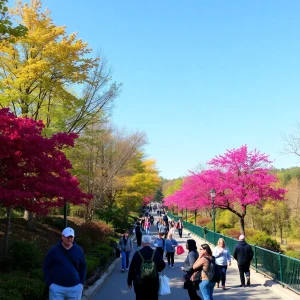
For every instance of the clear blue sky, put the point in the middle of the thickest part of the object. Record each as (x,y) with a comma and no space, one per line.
(199,77)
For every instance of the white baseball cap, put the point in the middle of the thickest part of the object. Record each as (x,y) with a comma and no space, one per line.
(68,231)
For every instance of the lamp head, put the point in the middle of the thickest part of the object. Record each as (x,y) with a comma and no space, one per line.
(213,193)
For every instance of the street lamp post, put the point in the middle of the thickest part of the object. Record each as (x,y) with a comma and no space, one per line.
(213,195)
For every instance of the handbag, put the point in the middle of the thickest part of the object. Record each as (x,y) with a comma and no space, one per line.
(179,250)
(164,285)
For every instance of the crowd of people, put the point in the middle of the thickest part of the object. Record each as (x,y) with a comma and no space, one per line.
(195,267)
(65,265)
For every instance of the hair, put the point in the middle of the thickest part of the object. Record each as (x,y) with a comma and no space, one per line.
(221,239)
(146,239)
(207,249)
(191,245)
(160,233)
(126,231)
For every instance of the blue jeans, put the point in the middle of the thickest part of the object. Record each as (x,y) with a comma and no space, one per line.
(223,270)
(57,292)
(207,289)
(147,230)
(125,259)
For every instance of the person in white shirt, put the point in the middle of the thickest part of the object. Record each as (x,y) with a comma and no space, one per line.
(223,258)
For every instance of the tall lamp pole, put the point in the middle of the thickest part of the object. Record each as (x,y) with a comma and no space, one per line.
(213,195)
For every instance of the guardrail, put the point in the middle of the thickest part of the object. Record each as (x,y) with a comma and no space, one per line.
(279,267)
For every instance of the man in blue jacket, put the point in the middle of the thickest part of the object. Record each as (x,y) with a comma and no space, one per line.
(65,268)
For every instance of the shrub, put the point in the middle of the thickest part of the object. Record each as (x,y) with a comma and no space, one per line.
(292,253)
(231,232)
(264,241)
(203,221)
(25,255)
(96,231)
(91,266)
(19,285)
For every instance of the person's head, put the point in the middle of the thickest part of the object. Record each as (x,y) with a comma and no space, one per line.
(205,250)
(146,240)
(160,235)
(170,236)
(138,223)
(126,233)
(67,236)
(241,237)
(221,243)
(191,245)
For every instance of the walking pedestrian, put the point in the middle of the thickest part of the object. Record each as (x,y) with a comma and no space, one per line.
(138,233)
(65,268)
(145,289)
(223,258)
(243,253)
(170,245)
(188,269)
(147,225)
(164,229)
(126,247)
(179,226)
(202,265)
(159,243)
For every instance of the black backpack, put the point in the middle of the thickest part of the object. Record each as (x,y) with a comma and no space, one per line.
(214,272)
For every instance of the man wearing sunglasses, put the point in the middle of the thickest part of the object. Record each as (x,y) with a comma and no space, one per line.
(65,268)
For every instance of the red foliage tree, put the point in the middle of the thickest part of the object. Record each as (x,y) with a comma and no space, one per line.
(240,178)
(34,172)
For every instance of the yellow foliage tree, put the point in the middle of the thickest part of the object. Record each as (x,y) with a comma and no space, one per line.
(40,72)
(138,186)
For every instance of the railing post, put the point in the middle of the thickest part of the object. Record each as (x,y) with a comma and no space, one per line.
(255,258)
(280,266)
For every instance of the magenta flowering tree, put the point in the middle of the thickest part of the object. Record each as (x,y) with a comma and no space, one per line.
(34,171)
(240,178)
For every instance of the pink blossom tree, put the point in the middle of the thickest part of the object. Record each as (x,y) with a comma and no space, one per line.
(240,178)
(34,171)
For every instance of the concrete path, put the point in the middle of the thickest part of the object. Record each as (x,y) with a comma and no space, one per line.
(115,286)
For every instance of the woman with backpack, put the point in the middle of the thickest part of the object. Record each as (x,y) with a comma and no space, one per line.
(188,269)
(223,258)
(202,265)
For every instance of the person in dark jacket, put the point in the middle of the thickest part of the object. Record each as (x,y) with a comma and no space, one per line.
(243,253)
(65,268)
(145,289)
(188,269)
(138,233)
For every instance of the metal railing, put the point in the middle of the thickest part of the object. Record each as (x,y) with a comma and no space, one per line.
(279,267)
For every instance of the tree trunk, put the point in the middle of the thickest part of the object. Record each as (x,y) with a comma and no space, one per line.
(7,229)
(242,225)
(30,217)
(281,234)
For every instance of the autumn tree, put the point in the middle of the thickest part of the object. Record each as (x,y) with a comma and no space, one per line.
(240,178)
(7,29)
(34,171)
(40,73)
(101,158)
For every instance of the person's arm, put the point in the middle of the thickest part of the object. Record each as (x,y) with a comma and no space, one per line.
(250,252)
(192,260)
(82,268)
(235,253)
(48,262)
(228,256)
(198,264)
(160,263)
(217,252)
(132,270)
(131,244)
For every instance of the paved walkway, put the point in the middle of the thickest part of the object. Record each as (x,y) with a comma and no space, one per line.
(115,286)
